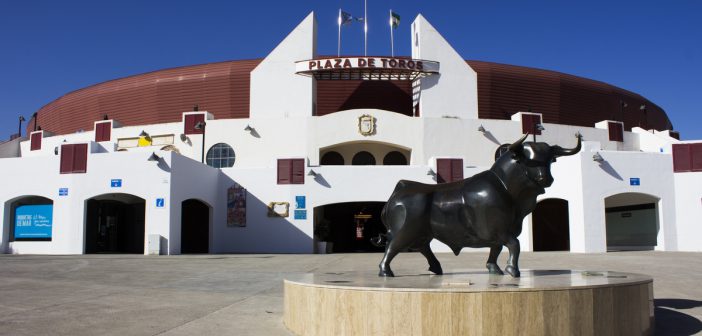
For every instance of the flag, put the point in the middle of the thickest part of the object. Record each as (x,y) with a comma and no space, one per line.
(394,19)
(344,18)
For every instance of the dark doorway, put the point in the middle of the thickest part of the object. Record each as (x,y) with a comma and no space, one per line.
(551,227)
(195,227)
(114,223)
(350,226)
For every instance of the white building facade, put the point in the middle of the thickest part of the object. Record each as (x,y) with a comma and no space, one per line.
(145,188)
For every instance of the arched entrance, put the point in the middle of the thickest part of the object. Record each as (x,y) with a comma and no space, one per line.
(30,218)
(349,227)
(550,225)
(114,223)
(632,221)
(194,227)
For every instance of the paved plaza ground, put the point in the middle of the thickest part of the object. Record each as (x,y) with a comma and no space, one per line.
(243,294)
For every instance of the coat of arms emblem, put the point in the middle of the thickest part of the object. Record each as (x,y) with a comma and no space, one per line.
(366,124)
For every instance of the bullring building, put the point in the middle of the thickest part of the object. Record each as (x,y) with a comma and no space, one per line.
(297,153)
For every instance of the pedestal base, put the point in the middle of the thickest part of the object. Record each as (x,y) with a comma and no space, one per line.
(470,302)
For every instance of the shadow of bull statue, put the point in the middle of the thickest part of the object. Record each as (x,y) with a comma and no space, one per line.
(485,210)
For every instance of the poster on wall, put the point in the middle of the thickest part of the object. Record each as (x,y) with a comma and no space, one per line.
(33,222)
(236,206)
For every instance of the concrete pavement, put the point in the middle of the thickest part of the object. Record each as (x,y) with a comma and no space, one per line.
(243,294)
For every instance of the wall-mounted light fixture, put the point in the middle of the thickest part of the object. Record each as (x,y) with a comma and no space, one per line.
(56,150)
(248,128)
(312,173)
(201,125)
(537,127)
(598,158)
(183,137)
(431,172)
(154,157)
(481,129)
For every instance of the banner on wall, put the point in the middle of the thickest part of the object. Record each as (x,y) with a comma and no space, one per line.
(33,221)
(236,206)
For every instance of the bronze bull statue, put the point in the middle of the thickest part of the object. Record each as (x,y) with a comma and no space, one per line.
(485,210)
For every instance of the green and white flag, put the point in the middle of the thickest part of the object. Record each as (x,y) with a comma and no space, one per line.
(394,19)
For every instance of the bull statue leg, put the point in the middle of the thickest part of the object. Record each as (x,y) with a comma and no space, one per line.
(491,265)
(391,250)
(513,261)
(434,265)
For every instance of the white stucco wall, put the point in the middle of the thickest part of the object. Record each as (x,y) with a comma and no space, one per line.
(688,208)
(276,91)
(453,92)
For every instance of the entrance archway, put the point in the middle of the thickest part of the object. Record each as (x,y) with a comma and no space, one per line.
(28,218)
(349,227)
(631,220)
(194,227)
(114,223)
(550,225)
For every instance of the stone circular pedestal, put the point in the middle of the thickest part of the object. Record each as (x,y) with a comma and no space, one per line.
(470,302)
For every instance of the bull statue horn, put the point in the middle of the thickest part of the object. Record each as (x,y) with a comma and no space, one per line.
(559,151)
(518,144)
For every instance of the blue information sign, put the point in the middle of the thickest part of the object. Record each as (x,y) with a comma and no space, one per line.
(33,221)
(300,214)
(63,191)
(634,181)
(116,183)
(300,202)
(160,202)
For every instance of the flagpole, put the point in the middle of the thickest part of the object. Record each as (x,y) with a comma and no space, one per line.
(392,37)
(365,27)
(338,48)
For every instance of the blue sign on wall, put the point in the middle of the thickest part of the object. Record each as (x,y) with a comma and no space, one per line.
(300,214)
(300,202)
(63,191)
(160,202)
(634,181)
(116,183)
(33,221)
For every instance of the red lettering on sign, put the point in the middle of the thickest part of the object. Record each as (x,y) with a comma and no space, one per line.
(401,63)
(371,62)
(410,64)
(337,63)
(420,66)
(362,62)
(328,64)
(347,63)
(393,63)
(312,65)
(385,62)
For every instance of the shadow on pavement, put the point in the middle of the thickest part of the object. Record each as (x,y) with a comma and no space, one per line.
(672,322)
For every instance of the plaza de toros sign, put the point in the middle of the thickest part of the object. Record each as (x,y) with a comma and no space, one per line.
(366,68)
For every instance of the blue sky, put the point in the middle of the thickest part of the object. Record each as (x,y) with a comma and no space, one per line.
(49,48)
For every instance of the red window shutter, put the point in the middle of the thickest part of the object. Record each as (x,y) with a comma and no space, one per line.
(35,141)
(443,170)
(298,171)
(529,122)
(103,131)
(681,158)
(616,131)
(456,170)
(696,156)
(66,159)
(284,171)
(80,158)
(190,121)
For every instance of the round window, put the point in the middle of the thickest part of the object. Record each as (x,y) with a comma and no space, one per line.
(220,155)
